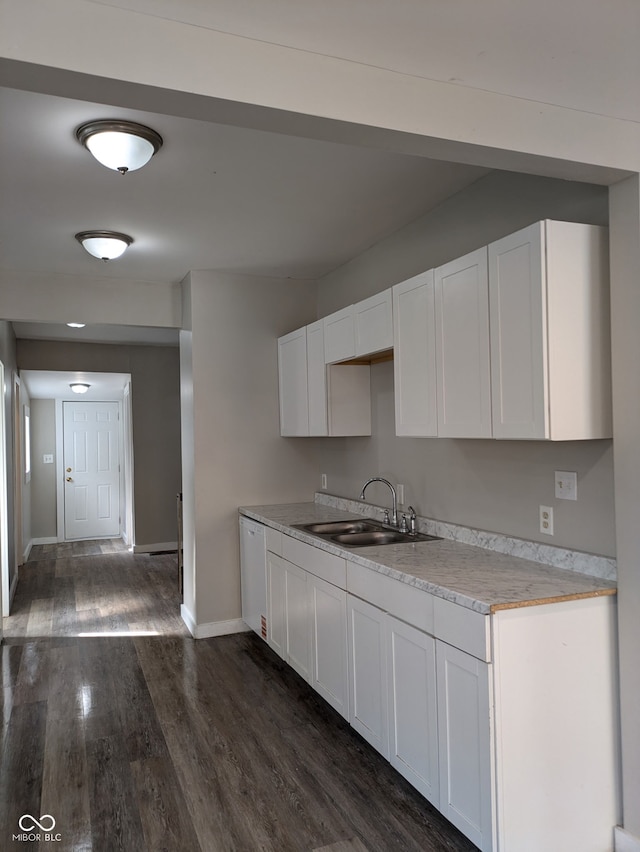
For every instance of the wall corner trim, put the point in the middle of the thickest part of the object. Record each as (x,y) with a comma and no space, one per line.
(625,842)
(212,628)
(155,547)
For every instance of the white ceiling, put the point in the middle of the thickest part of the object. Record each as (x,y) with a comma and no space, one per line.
(54,384)
(581,54)
(229,198)
(214,197)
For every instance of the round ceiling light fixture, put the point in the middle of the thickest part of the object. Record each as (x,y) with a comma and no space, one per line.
(105,245)
(76,324)
(123,146)
(79,387)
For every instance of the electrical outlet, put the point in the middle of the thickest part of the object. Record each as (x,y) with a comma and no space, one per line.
(47,458)
(400,493)
(546,520)
(566,485)
(324,481)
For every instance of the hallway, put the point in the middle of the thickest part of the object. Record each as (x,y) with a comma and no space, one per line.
(132,736)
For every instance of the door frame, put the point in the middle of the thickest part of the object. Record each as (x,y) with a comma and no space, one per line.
(126,493)
(5,592)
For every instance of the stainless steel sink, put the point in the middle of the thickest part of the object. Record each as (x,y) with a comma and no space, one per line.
(361,533)
(374,538)
(336,527)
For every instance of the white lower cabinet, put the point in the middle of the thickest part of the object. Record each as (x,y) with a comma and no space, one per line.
(368,673)
(464,736)
(288,618)
(288,613)
(276,626)
(328,614)
(413,719)
(297,623)
(513,739)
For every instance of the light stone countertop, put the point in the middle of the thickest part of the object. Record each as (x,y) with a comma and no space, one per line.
(479,579)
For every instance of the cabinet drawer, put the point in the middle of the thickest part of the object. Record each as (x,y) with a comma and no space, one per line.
(325,565)
(463,628)
(274,540)
(399,599)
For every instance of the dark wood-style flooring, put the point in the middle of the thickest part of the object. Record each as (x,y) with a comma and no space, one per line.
(133,736)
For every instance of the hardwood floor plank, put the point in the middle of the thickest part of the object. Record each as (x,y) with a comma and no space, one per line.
(163,811)
(115,819)
(21,765)
(153,742)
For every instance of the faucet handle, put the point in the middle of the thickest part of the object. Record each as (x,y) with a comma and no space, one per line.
(386,519)
(403,524)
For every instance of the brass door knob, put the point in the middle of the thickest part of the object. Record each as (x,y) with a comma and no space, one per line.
(69,479)
(68,470)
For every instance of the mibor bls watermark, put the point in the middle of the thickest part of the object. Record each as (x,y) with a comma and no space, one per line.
(39,830)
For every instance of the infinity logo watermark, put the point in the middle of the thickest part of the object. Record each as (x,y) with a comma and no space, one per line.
(45,824)
(28,822)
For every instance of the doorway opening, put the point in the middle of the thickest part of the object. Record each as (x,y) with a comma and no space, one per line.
(4,508)
(82,470)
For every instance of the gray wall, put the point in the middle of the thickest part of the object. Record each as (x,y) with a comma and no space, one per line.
(43,476)
(492,485)
(155,394)
(232,449)
(8,358)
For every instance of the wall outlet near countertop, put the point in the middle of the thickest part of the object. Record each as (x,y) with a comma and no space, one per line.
(546,520)
(323,479)
(400,494)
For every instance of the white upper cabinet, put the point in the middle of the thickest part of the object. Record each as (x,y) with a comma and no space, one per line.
(316,398)
(373,324)
(462,343)
(414,356)
(550,337)
(339,336)
(316,379)
(293,384)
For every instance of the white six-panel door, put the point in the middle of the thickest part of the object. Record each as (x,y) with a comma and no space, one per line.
(92,469)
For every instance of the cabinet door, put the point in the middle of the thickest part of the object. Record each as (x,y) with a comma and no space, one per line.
(462,340)
(316,379)
(518,308)
(276,604)
(253,575)
(297,622)
(465,740)
(413,720)
(339,337)
(414,356)
(292,381)
(368,673)
(328,610)
(373,324)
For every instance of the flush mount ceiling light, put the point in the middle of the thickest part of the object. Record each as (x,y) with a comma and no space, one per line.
(105,245)
(76,324)
(123,146)
(79,387)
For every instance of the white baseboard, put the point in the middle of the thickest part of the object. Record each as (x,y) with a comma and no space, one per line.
(625,842)
(26,552)
(49,539)
(156,547)
(212,628)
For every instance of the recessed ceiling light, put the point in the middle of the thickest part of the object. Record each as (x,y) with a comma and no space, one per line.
(76,324)
(123,146)
(105,245)
(79,387)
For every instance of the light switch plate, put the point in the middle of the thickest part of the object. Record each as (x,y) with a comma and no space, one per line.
(566,485)
(47,458)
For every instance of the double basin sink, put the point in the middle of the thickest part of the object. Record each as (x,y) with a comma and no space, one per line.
(362,533)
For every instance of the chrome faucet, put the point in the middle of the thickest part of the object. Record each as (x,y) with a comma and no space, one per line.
(394,509)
